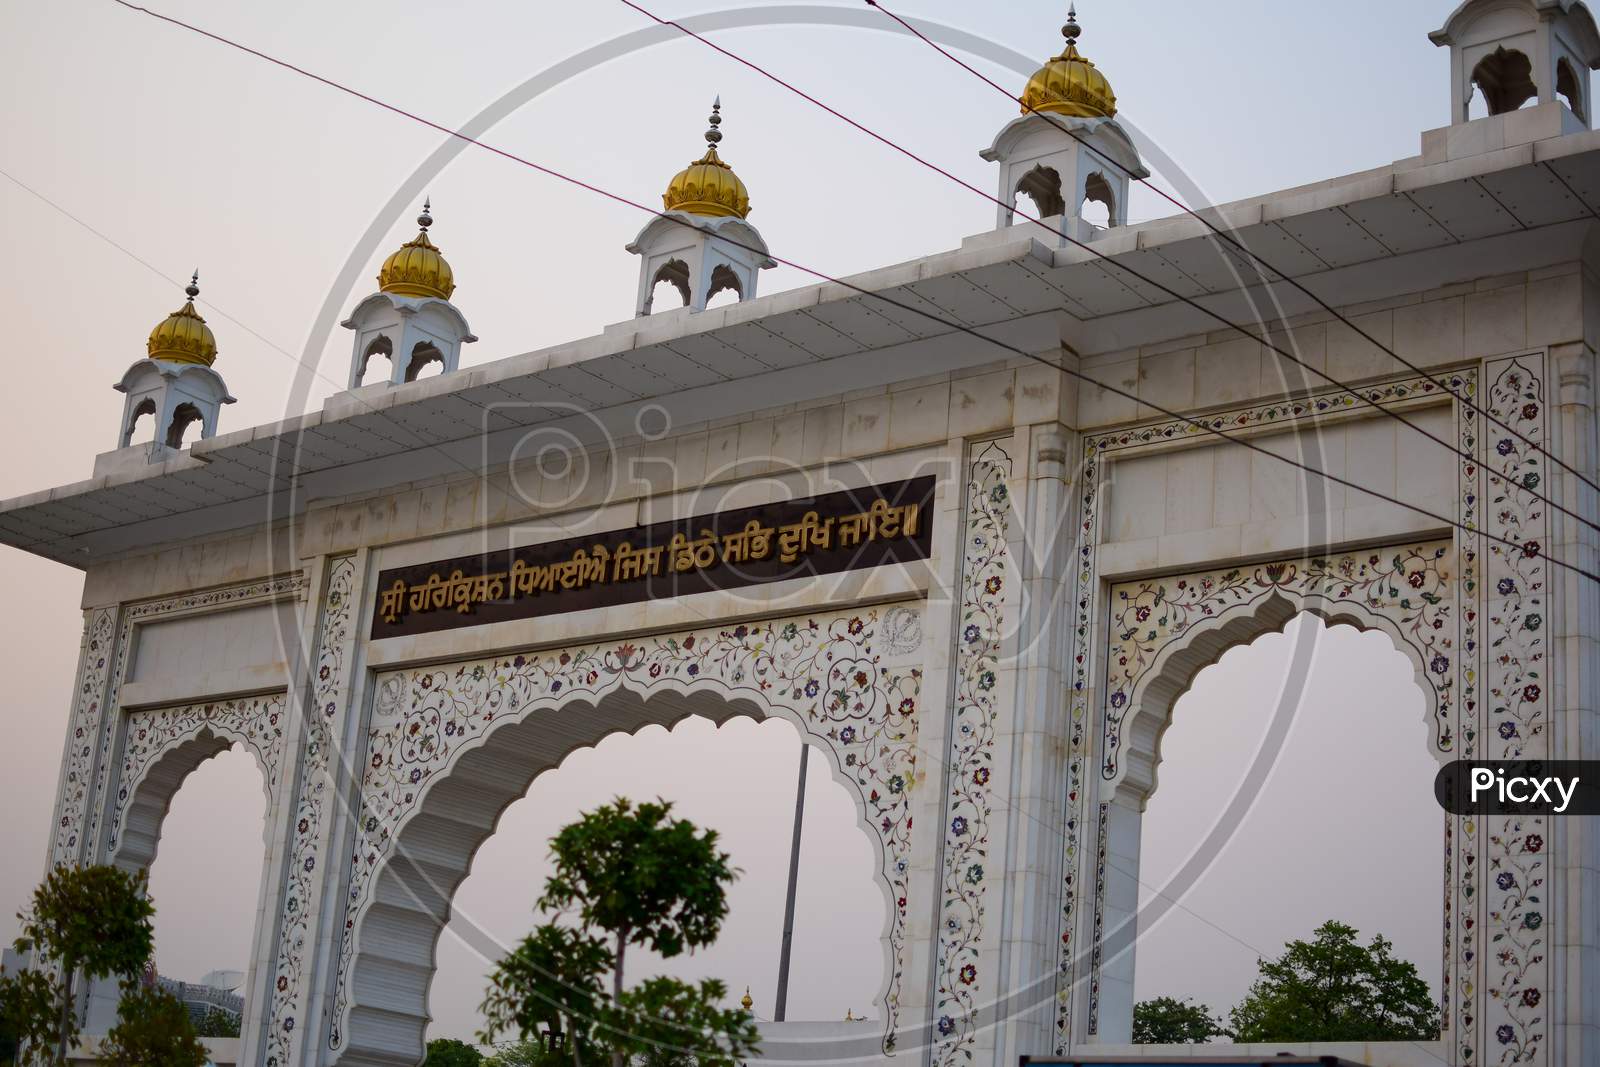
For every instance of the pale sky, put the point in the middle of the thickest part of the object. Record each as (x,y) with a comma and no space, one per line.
(178,153)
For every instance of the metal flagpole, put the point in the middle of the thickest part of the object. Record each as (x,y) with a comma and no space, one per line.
(794,876)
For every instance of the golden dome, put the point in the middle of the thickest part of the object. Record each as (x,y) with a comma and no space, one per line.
(183,336)
(708,186)
(1069,84)
(418,268)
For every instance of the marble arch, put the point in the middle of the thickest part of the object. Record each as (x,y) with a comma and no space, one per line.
(1164,631)
(1069,463)
(451,746)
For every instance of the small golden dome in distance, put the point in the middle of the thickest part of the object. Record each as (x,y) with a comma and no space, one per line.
(183,336)
(1069,84)
(745,1000)
(708,186)
(418,268)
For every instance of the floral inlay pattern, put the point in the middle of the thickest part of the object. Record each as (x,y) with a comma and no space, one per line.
(186,604)
(1461,874)
(985,570)
(257,722)
(287,996)
(1517,687)
(832,675)
(78,766)
(1413,587)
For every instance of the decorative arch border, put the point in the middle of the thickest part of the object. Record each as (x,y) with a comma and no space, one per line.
(1164,631)
(179,739)
(850,681)
(1083,868)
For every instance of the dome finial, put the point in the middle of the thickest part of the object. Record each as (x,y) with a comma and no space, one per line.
(1071,31)
(714,135)
(183,336)
(426,218)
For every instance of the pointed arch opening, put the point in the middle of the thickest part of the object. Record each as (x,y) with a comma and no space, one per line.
(1504,79)
(379,346)
(147,406)
(421,825)
(1291,785)
(191,811)
(724,288)
(737,777)
(1569,87)
(184,416)
(424,355)
(671,277)
(1099,206)
(1041,187)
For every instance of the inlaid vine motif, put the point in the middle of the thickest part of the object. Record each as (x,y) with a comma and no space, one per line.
(986,567)
(1085,589)
(288,993)
(1517,686)
(848,680)
(256,722)
(82,732)
(146,611)
(1461,898)
(1461,872)
(1412,587)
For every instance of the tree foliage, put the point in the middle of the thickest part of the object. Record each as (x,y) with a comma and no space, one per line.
(1170,1021)
(527,1053)
(217,1023)
(89,920)
(623,875)
(452,1052)
(1332,988)
(153,1030)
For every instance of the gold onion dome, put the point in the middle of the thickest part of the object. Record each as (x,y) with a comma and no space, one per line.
(183,336)
(708,186)
(1069,84)
(417,268)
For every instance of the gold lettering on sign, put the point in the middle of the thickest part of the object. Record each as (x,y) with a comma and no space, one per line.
(598,564)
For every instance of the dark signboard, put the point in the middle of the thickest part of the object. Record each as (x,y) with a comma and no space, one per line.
(824,534)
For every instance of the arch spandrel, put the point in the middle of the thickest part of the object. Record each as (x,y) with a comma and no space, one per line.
(1163,631)
(450,747)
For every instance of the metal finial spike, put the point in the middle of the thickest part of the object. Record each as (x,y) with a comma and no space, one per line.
(713,135)
(426,218)
(192,290)
(1071,30)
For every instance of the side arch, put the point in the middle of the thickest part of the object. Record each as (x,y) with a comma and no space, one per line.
(452,747)
(164,746)
(1164,631)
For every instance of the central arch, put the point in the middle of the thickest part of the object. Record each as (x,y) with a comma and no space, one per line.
(451,747)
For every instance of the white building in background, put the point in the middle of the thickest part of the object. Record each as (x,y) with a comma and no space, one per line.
(967,522)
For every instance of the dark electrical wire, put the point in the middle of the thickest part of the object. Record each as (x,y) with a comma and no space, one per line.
(1257,259)
(1530,549)
(1103,258)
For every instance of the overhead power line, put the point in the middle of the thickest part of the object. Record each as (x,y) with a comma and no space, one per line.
(1243,331)
(1530,549)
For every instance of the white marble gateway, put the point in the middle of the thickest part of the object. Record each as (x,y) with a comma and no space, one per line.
(459,579)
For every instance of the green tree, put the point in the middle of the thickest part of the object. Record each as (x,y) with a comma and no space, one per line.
(1332,988)
(1170,1021)
(89,920)
(217,1023)
(451,1052)
(624,875)
(153,1030)
(527,1053)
